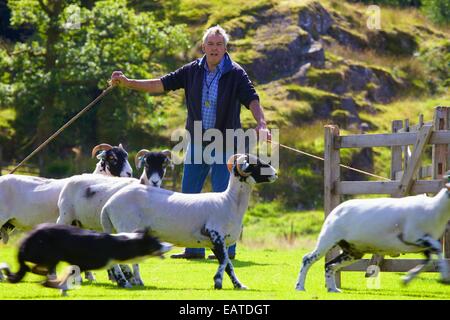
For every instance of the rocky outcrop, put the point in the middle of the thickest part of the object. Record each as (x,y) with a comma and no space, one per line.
(315,19)
(347,38)
(283,56)
(394,42)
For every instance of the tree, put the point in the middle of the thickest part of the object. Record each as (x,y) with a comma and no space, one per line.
(65,64)
(437,10)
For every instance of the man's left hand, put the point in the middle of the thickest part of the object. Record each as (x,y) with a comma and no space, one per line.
(262,132)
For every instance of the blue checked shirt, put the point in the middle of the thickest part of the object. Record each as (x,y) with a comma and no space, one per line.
(209,101)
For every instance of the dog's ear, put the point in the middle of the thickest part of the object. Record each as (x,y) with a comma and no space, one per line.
(146,232)
(141,230)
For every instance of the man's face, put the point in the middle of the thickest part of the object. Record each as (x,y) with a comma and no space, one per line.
(214,48)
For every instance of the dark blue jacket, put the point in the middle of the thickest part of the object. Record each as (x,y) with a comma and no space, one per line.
(235,88)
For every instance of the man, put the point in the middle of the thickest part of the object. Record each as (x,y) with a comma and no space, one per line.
(215,87)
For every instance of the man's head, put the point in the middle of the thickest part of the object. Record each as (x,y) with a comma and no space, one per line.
(214,45)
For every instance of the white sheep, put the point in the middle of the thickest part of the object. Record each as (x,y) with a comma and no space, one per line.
(385,226)
(83,196)
(211,219)
(26,201)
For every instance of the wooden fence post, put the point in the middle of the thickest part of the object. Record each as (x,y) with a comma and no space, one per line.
(396,152)
(1,159)
(332,175)
(440,161)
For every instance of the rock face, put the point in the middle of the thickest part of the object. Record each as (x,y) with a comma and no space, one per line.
(279,58)
(396,42)
(288,47)
(315,20)
(347,38)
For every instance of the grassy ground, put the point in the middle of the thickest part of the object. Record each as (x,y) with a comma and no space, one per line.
(268,263)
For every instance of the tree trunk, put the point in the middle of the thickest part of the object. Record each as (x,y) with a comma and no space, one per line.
(44,127)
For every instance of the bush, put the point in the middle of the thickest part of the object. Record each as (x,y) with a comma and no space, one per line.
(437,10)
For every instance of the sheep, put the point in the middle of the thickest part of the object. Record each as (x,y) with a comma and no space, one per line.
(385,226)
(26,201)
(83,196)
(48,244)
(211,220)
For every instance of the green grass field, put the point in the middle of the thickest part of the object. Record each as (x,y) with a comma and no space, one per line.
(270,274)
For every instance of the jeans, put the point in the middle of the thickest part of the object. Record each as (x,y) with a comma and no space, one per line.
(194,176)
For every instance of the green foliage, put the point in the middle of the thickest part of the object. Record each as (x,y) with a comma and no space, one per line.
(6,129)
(437,10)
(436,59)
(63,66)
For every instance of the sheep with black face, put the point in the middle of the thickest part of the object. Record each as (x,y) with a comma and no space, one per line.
(211,220)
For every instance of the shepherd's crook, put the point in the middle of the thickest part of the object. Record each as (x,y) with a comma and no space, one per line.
(63,127)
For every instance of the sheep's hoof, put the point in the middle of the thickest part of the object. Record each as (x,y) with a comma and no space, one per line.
(445,281)
(125,285)
(136,282)
(52,277)
(241,287)
(335,290)
(217,285)
(406,280)
(300,288)
(90,277)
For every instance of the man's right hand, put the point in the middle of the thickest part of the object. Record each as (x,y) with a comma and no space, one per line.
(118,78)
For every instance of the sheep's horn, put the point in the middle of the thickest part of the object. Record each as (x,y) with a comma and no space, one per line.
(100,147)
(167,153)
(137,162)
(232,160)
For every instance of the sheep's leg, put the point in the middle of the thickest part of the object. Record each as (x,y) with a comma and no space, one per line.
(342,260)
(51,272)
(4,235)
(307,261)
(134,277)
(137,275)
(221,252)
(415,271)
(435,247)
(230,271)
(120,278)
(111,275)
(89,276)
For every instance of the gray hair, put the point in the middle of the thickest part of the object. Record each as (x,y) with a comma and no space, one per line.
(216,30)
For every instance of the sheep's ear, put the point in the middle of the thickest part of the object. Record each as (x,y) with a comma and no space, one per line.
(169,163)
(245,166)
(167,153)
(101,155)
(148,232)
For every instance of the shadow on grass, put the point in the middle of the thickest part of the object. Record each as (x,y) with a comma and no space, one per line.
(241,263)
(388,293)
(105,285)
